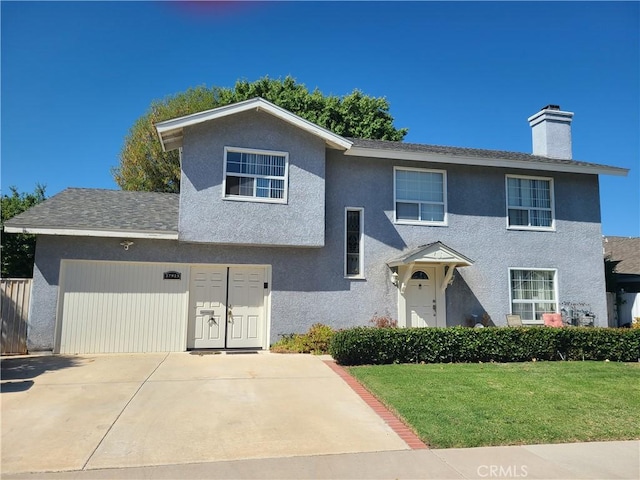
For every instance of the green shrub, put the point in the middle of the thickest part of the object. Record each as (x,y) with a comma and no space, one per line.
(364,346)
(319,338)
(291,343)
(316,340)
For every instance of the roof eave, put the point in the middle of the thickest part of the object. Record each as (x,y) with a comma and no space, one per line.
(485,161)
(79,232)
(170,131)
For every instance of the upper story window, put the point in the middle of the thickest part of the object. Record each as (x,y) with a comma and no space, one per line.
(256,175)
(420,196)
(530,203)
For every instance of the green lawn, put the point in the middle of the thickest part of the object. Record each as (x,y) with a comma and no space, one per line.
(469,405)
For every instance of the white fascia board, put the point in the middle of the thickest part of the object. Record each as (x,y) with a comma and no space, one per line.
(91,233)
(485,161)
(430,261)
(171,128)
(331,138)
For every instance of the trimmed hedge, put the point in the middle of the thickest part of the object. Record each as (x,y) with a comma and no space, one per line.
(367,346)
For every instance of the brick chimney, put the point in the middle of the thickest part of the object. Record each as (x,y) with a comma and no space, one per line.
(551,132)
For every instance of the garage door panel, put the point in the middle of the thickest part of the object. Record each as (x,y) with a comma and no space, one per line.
(122,307)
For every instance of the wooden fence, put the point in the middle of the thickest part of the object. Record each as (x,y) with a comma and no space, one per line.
(16,293)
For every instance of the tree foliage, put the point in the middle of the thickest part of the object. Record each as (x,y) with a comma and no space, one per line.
(18,250)
(144,166)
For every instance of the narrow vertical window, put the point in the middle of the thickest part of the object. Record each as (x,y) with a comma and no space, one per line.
(353,243)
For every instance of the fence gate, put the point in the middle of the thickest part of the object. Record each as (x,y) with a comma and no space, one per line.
(16,293)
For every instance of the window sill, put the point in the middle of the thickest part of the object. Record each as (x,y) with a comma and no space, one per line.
(422,224)
(531,229)
(256,200)
(354,277)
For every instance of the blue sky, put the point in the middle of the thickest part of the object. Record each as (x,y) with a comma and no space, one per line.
(75,76)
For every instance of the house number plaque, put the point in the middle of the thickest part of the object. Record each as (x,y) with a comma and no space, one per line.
(172,275)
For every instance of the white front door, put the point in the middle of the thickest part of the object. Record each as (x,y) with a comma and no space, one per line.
(208,312)
(227,307)
(420,294)
(245,323)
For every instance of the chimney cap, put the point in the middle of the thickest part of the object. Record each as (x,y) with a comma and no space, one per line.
(551,107)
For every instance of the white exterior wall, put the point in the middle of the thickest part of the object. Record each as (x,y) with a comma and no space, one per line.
(630,308)
(121,307)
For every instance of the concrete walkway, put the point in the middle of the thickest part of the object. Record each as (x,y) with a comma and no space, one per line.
(598,460)
(256,416)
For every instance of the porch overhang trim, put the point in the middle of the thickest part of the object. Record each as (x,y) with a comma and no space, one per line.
(436,253)
(433,253)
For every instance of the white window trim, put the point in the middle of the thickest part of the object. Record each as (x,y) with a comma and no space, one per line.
(241,198)
(445,221)
(555,292)
(552,228)
(359,276)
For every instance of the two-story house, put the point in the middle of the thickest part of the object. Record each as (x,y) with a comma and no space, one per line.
(280,224)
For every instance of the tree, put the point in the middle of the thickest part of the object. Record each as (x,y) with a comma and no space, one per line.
(144,166)
(18,250)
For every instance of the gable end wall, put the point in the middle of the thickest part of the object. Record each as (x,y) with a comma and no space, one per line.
(206,217)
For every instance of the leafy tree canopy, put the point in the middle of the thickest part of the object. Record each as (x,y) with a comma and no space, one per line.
(144,166)
(18,250)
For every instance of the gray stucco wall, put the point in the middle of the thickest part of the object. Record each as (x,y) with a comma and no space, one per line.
(308,284)
(206,217)
(477,229)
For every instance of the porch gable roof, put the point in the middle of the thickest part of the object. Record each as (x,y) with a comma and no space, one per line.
(436,252)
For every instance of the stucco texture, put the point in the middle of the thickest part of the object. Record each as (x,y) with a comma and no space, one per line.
(207,217)
(308,284)
(477,228)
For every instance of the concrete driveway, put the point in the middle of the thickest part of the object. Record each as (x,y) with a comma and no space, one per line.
(107,411)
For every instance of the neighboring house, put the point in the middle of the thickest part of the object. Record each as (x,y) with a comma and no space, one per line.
(280,224)
(625,252)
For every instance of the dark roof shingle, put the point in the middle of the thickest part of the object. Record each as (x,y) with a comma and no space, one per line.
(108,210)
(469,152)
(625,250)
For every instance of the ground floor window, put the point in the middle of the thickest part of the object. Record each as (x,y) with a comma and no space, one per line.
(533,292)
(353,261)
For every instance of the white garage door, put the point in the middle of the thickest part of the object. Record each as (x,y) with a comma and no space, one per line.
(113,307)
